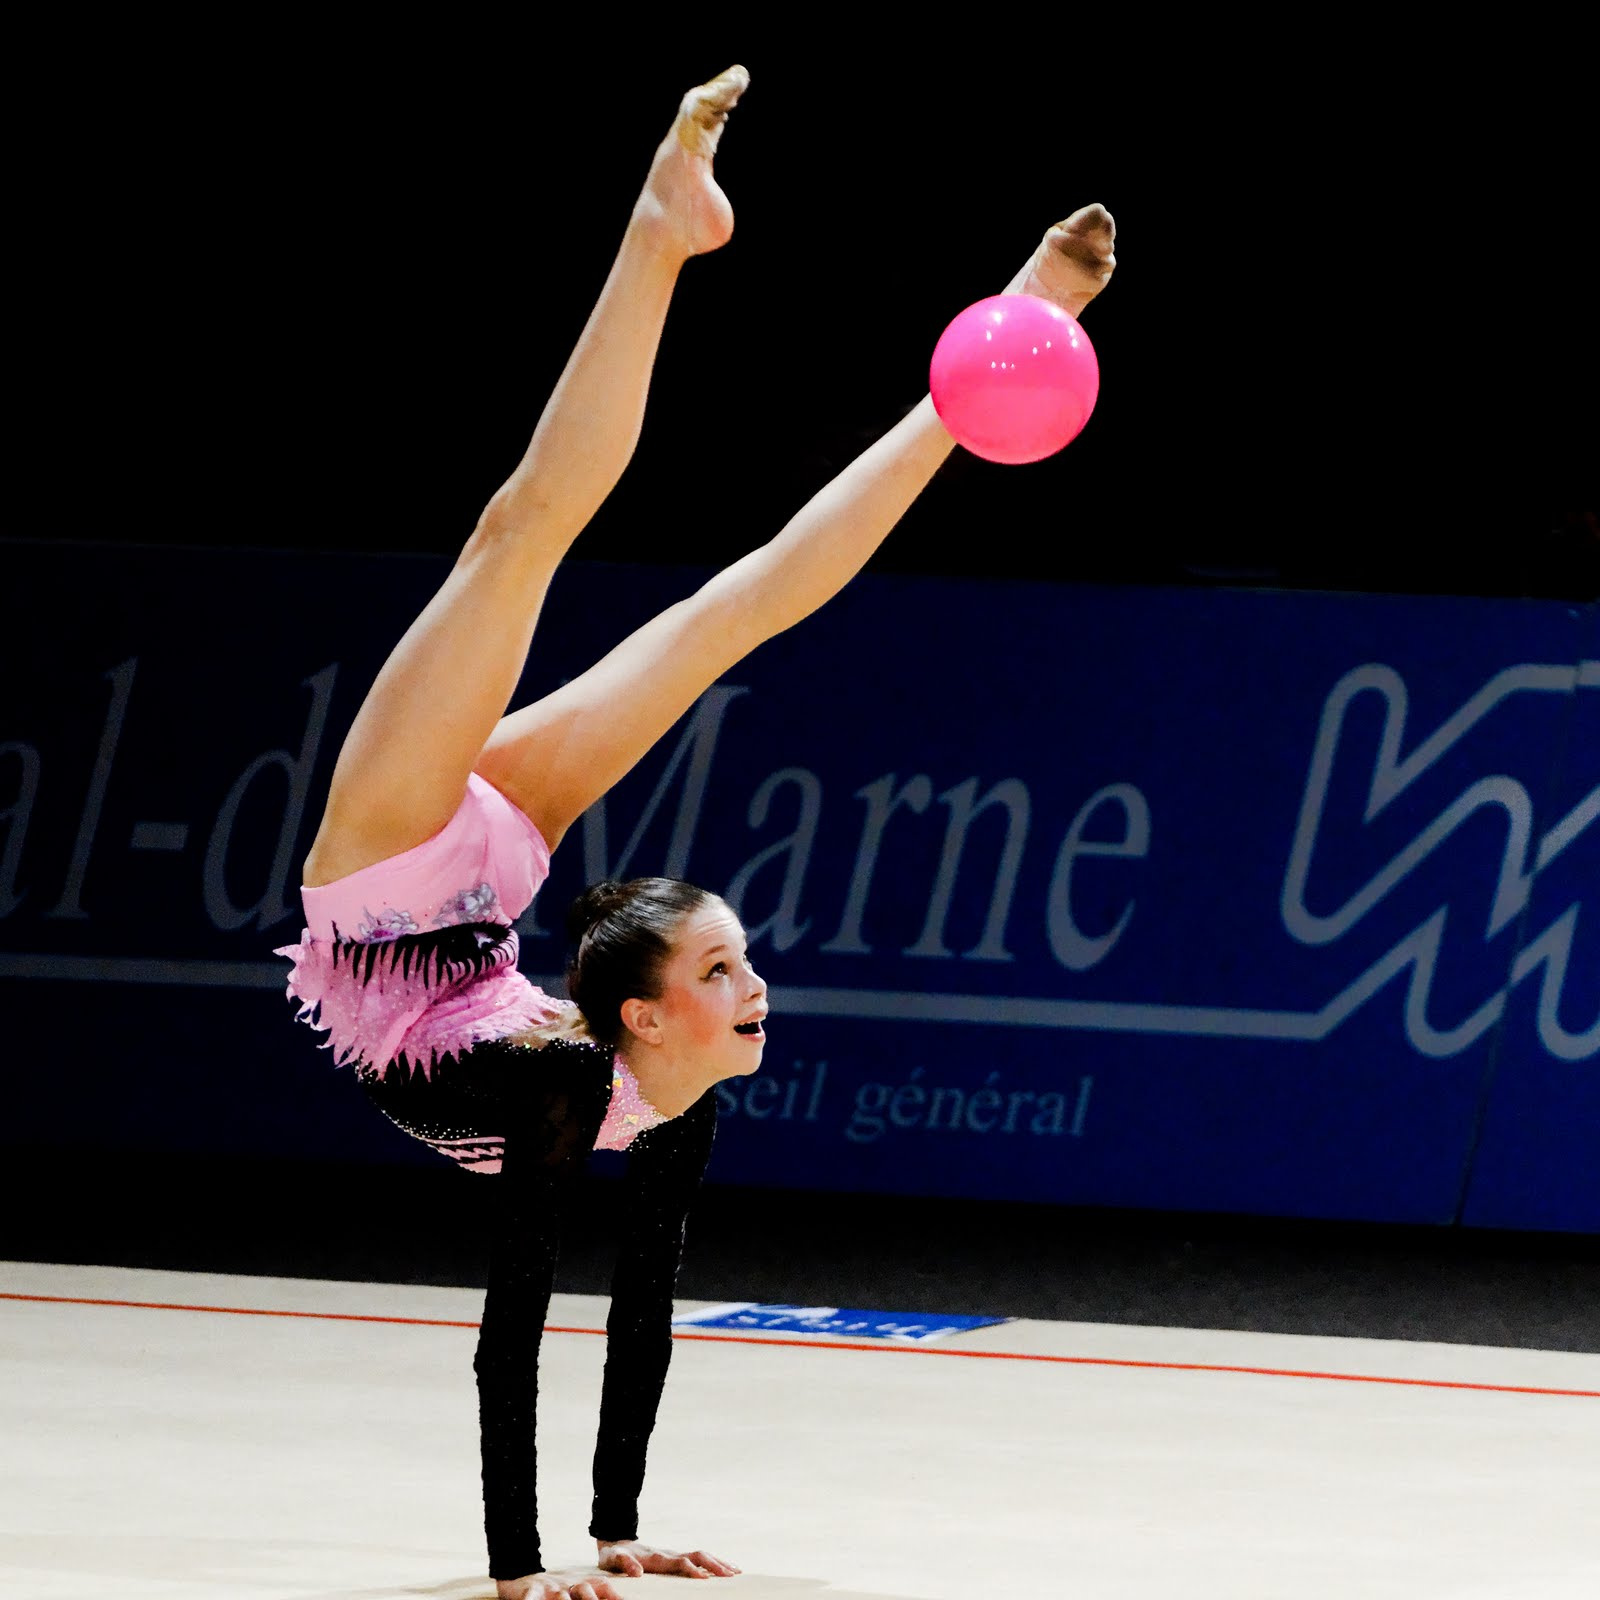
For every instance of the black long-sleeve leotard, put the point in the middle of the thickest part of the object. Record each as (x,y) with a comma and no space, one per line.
(551,1112)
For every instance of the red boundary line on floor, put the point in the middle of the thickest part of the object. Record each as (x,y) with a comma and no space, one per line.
(837,1344)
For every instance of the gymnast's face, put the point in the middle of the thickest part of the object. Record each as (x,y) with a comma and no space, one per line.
(712,1001)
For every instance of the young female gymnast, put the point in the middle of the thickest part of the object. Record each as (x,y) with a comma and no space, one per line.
(438,828)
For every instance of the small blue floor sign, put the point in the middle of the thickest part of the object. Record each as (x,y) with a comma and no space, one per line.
(909,1328)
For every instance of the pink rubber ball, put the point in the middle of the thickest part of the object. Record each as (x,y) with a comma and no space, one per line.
(1014,378)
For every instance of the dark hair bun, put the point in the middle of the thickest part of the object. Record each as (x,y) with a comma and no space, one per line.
(597,901)
(620,935)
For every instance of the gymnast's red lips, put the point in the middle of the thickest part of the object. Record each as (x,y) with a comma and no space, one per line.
(751,1028)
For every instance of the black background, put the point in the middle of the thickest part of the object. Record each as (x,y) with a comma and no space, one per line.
(307,286)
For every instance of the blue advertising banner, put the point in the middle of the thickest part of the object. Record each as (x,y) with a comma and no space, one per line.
(1537,1163)
(1205,900)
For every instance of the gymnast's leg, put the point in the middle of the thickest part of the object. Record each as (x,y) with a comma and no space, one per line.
(557,756)
(404,764)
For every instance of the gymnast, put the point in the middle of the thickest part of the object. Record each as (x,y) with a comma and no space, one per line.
(443,810)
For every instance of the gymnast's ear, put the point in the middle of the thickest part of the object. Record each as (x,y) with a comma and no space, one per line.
(642,1020)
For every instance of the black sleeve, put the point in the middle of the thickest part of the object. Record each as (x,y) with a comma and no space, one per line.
(665,1167)
(552,1114)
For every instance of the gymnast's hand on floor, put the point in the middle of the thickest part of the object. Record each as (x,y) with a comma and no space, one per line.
(633,1559)
(548,1586)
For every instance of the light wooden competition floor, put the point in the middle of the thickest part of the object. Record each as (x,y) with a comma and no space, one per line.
(154,1442)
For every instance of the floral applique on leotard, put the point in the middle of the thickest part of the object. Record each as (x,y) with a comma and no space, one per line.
(468,905)
(387,924)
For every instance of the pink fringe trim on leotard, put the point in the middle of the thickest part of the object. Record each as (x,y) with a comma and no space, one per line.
(415,955)
(396,1012)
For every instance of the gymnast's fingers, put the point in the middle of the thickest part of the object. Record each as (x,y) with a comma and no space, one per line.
(717,1567)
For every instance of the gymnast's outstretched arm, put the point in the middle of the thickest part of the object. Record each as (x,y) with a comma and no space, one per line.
(557,756)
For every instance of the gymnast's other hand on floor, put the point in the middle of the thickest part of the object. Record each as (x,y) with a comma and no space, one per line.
(547,1586)
(633,1558)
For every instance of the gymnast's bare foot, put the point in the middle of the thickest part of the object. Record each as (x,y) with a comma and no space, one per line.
(680,196)
(1074,261)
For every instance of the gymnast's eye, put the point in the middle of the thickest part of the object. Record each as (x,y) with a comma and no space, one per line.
(721,966)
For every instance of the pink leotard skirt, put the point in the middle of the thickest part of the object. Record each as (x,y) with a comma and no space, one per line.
(415,958)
